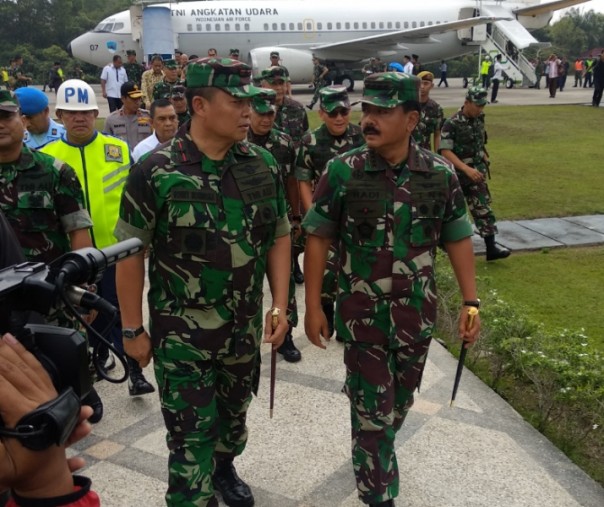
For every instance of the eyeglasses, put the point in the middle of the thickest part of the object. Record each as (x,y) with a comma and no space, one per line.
(339,112)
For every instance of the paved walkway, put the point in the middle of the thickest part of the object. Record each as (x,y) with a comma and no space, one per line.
(480,453)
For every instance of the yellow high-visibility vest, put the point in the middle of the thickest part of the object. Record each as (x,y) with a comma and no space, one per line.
(102,166)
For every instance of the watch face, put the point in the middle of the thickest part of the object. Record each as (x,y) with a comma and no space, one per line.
(128,333)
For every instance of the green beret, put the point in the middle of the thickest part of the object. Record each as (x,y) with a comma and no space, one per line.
(389,89)
(229,75)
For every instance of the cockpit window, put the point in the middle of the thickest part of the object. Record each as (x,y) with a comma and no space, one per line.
(118,26)
(105,27)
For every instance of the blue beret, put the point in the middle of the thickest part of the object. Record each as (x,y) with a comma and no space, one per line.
(31,100)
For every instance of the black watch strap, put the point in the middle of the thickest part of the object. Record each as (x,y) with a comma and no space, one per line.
(132,333)
(475,303)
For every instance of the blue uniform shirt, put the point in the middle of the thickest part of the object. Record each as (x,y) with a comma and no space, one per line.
(55,131)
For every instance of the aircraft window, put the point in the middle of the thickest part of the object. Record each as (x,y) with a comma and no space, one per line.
(189,27)
(356,26)
(381,25)
(246,27)
(347,25)
(308,26)
(292,27)
(107,27)
(373,25)
(217,27)
(406,24)
(266,27)
(208,27)
(237,27)
(414,24)
(338,26)
(299,27)
(283,27)
(364,25)
(199,27)
(227,27)
(118,26)
(421,23)
(275,27)
(389,25)
(430,23)
(438,22)
(329,26)
(319,26)
(397,25)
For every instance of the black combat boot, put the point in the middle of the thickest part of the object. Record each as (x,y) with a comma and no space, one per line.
(328,310)
(234,491)
(288,350)
(137,383)
(93,400)
(494,251)
(298,275)
(387,503)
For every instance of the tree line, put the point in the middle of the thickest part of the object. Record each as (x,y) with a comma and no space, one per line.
(39,30)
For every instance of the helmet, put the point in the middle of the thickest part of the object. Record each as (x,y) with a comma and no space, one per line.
(76,95)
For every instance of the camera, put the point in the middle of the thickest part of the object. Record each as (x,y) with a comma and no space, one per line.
(39,287)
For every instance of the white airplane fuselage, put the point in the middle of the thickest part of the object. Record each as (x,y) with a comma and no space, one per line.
(295,28)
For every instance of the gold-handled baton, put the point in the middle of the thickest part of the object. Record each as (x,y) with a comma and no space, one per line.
(472,312)
(274,323)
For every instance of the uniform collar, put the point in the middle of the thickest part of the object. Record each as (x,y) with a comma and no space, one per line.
(90,141)
(416,161)
(24,162)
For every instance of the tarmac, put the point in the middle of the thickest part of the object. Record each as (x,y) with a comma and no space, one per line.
(479,453)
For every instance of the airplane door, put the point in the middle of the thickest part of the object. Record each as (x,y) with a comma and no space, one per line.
(158,36)
(309,28)
(473,34)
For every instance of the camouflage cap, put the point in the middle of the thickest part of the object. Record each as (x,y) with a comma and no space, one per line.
(389,89)
(477,95)
(8,101)
(231,76)
(275,54)
(333,97)
(171,64)
(274,72)
(178,91)
(264,102)
(234,51)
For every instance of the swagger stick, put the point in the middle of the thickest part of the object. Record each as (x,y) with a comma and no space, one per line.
(274,324)
(472,312)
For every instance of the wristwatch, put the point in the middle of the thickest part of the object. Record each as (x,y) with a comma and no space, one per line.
(475,304)
(131,333)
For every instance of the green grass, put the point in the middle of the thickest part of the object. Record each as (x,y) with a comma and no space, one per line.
(562,288)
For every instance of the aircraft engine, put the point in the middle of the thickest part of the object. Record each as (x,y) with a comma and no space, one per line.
(298,62)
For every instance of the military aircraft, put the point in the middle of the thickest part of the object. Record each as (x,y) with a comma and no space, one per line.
(343,33)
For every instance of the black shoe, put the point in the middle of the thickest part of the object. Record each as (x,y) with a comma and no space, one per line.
(298,275)
(494,251)
(288,350)
(310,106)
(93,400)
(234,491)
(339,339)
(328,310)
(137,383)
(387,503)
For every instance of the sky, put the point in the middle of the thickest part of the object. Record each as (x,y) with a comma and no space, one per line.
(596,5)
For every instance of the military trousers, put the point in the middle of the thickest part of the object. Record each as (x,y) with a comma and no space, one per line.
(204,404)
(478,198)
(380,383)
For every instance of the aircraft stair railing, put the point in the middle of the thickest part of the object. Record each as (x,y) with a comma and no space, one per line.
(517,68)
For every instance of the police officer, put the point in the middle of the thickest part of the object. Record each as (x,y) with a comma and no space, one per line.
(462,142)
(163,89)
(133,68)
(102,163)
(319,79)
(130,122)
(427,132)
(290,119)
(389,204)
(213,209)
(281,146)
(40,127)
(335,136)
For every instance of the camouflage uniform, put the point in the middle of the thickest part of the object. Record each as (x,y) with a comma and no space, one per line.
(210,224)
(466,138)
(389,221)
(291,119)
(318,81)
(430,121)
(135,72)
(43,201)
(163,89)
(316,149)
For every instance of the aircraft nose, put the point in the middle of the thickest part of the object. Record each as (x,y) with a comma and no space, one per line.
(68,49)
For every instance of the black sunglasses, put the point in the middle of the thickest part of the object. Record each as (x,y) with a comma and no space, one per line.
(339,112)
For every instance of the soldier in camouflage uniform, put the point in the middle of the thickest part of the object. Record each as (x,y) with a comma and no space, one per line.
(431,117)
(389,203)
(281,146)
(133,68)
(215,215)
(462,142)
(290,119)
(163,89)
(334,137)
(178,100)
(319,79)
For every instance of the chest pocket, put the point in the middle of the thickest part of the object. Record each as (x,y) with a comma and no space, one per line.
(258,190)
(35,203)
(428,200)
(366,214)
(191,228)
